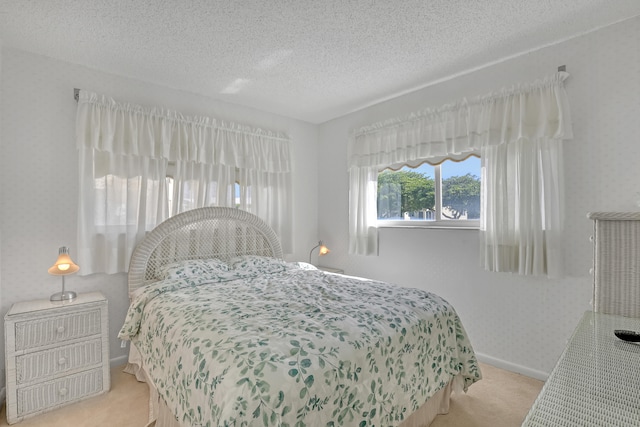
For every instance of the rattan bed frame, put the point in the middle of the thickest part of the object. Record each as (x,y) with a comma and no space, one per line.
(211,232)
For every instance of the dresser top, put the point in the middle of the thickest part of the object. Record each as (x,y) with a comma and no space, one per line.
(596,380)
(38,305)
(614,216)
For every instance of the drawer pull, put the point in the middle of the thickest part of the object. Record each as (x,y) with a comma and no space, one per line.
(62,392)
(60,329)
(62,361)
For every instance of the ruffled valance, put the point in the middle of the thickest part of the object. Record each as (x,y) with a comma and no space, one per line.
(121,128)
(535,110)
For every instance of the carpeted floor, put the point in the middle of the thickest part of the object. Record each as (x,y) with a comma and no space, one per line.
(501,399)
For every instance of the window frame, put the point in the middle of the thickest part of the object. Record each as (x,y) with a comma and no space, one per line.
(439,222)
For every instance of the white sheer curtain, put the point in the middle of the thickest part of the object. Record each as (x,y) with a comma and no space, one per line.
(363,211)
(126,153)
(263,195)
(523,207)
(121,197)
(200,184)
(518,132)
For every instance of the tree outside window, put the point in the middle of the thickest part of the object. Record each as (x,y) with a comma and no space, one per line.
(415,193)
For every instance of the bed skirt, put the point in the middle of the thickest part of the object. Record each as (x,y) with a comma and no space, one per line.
(161,416)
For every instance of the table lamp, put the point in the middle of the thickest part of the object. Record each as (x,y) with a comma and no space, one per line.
(63,266)
(322,251)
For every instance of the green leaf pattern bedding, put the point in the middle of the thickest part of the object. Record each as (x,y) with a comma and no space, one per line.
(267,343)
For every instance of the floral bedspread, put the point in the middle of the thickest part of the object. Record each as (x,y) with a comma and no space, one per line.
(271,344)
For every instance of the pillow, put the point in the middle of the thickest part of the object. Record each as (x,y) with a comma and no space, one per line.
(261,264)
(193,268)
(304,265)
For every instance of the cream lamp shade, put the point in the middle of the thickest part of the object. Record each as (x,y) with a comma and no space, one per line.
(322,251)
(63,266)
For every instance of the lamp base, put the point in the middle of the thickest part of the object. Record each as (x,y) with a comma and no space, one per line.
(63,296)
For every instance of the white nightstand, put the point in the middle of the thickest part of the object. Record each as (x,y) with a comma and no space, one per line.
(330,269)
(57,353)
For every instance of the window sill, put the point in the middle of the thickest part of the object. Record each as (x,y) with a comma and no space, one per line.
(421,224)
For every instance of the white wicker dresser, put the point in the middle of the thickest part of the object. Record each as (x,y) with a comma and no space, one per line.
(596,382)
(57,353)
(616,263)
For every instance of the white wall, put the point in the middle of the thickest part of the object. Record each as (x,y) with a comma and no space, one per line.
(516,322)
(39,173)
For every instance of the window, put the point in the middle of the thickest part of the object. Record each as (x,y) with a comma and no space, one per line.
(117,202)
(447,194)
(138,166)
(170,181)
(237,192)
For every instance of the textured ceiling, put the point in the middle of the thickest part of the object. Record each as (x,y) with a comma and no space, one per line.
(312,60)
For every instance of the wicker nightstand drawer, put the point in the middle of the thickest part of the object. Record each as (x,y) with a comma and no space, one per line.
(50,330)
(58,392)
(57,353)
(45,364)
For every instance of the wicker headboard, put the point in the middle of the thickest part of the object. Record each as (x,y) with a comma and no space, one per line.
(211,232)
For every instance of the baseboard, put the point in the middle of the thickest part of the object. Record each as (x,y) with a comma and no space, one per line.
(118,361)
(508,366)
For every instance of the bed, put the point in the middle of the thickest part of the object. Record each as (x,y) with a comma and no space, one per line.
(225,332)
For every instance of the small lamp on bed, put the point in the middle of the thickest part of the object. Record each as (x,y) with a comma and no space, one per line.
(322,251)
(63,266)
